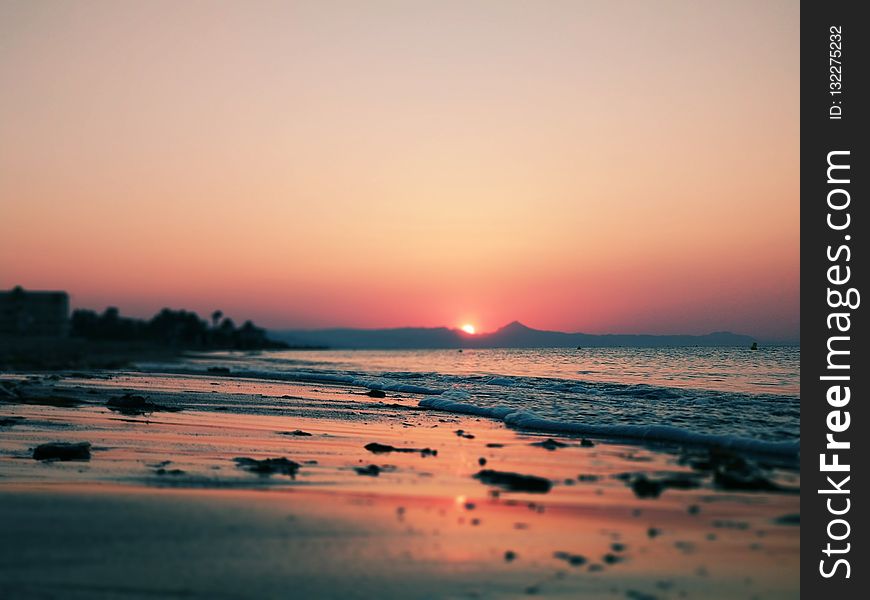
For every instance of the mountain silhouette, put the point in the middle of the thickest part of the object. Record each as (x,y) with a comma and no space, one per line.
(512,335)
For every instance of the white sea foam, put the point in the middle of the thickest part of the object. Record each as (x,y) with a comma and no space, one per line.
(704,413)
(521,419)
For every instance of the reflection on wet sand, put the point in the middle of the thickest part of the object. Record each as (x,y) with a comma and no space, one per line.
(216,487)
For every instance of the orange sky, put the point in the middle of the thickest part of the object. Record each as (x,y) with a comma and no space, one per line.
(594,166)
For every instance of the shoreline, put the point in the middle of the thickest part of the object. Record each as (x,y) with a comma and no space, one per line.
(413,524)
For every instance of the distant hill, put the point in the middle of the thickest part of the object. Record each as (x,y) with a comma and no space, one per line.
(513,335)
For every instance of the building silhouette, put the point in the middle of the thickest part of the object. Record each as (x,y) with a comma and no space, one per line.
(35,313)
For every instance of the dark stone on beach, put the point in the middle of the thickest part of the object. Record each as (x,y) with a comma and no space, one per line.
(495,445)
(296,432)
(793,519)
(481,461)
(611,559)
(510,555)
(550,444)
(693,509)
(132,404)
(575,560)
(268,466)
(646,488)
(617,547)
(464,434)
(587,443)
(127,402)
(163,471)
(514,482)
(218,370)
(653,532)
(376,448)
(63,451)
(369,471)
(588,478)
(376,394)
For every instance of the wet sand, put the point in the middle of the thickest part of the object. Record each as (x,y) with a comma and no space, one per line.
(163,508)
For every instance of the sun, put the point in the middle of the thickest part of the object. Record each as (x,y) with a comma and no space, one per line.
(469,329)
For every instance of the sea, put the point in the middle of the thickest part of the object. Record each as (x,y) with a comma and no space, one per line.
(724,396)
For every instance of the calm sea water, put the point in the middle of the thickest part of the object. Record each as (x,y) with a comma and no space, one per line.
(691,394)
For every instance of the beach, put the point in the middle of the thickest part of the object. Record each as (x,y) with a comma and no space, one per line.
(172,500)
(426,300)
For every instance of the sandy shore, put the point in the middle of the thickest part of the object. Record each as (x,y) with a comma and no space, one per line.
(163,508)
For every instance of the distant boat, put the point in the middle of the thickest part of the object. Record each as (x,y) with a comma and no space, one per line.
(754,346)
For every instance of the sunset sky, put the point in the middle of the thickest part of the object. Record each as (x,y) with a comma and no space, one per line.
(584,166)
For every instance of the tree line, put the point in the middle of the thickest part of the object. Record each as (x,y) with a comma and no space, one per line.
(176,328)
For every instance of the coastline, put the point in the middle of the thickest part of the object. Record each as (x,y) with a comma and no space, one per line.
(53,353)
(162,506)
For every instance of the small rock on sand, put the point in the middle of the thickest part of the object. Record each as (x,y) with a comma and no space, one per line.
(575,560)
(376,394)
(376,448)
(514,481)
(550,444)
(133,405)
(370,471)
(163,471)
(644,487)
(63,451)
(268,466)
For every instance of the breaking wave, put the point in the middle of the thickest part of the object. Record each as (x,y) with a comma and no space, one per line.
(704,407)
